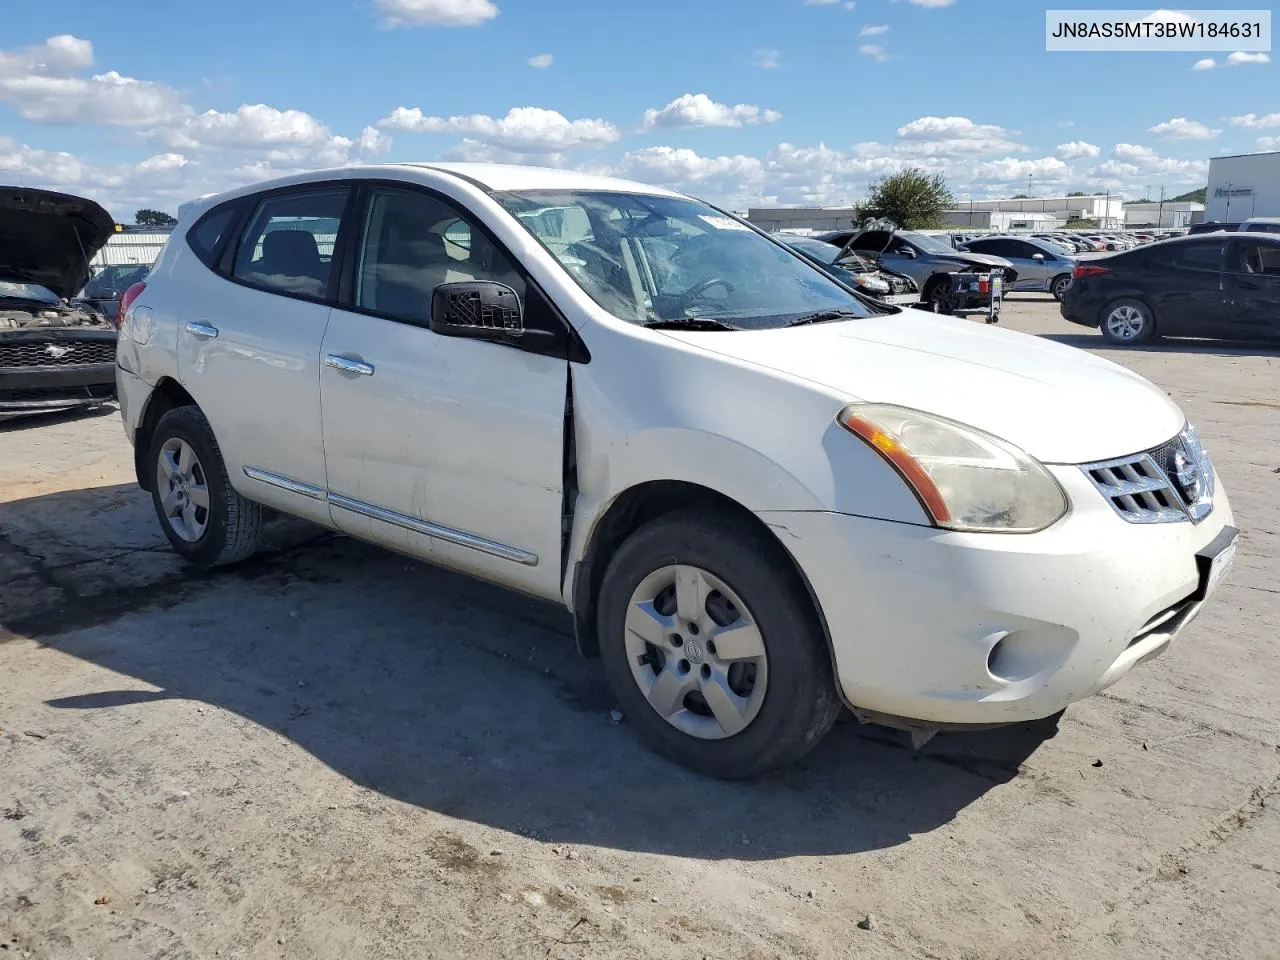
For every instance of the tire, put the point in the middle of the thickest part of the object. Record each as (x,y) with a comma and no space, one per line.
(1058,286)
(1127,321)
(779,673)
(937,294)
(221,526)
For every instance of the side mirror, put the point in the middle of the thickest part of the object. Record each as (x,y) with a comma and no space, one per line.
(906,252)
(111,294)
(478,309)
(1038,257)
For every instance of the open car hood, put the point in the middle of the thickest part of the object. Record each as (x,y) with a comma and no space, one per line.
(49,238)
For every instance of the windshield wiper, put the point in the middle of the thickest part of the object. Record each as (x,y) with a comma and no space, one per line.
(689,323)
(824,316)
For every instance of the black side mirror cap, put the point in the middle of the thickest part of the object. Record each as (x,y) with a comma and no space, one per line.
(478,309)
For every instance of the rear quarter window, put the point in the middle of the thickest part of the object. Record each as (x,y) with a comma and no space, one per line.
(210,230)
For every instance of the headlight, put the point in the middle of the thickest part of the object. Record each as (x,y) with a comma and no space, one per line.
(965,479)
(872,284)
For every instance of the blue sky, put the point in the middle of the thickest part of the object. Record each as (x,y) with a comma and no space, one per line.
(752,102)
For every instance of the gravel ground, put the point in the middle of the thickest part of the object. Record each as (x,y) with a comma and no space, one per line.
(331,752)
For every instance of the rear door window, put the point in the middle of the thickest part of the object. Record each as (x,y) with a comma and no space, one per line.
(288,244)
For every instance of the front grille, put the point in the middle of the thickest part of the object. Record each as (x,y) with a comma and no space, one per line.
(1150,488)
(56,353)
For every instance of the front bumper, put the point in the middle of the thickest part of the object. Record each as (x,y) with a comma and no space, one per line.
(974,629)
(27,390)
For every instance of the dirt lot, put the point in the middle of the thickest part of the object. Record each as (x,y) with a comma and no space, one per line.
(332,752)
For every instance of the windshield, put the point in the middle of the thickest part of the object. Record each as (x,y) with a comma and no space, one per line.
(27,291)
(927,243)
(650,259)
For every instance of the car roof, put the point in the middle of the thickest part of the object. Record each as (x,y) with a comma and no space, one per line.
(490,177)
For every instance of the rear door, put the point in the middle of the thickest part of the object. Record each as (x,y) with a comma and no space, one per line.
(1252,281)
(249,345)
(1182,283)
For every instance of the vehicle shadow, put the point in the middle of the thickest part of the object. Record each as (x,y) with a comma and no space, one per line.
(455,696)
(1213,348)
(28,421)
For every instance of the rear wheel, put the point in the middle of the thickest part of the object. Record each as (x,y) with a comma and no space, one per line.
(712,647)
(204,518)
(1058,286)
(1127,321)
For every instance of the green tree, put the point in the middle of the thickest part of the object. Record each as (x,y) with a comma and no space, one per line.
(154,218)
(1078,224)
(1077,193)
(1197,196)
(1020,196)
(910,198)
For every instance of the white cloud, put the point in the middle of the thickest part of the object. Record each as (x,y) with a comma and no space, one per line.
(1208,63)
(768,59)
(738,177)
(1066,124)
(875,51)
(440,13)
(525,129)
(1076,150)
(699,110)
(1132,164)
(1253,120)
(876,30)
(1011,169)
(1180,128)
(1269,143)
(162,163)
(1238,58)
(541,61)
(949,128)
(250,126)
(1168,16)
(43,83)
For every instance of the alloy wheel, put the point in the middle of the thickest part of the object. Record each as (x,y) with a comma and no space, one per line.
(696,652)
(184,490)
(1126,322)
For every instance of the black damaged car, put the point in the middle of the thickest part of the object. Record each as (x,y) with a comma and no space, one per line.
(54,355)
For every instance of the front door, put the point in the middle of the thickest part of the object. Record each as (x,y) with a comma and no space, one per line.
(1185,288)
(249,347)
(1252,287)
(450,449)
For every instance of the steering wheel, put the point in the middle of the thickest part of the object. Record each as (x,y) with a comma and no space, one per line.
(694,293)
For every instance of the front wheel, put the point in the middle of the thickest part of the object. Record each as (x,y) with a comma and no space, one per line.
(1127,321)
(205,519)
(712,647)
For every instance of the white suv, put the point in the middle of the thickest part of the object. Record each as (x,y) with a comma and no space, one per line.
(762,495)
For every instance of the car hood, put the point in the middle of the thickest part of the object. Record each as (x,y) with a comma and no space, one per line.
(1060,404)
(983,259)
(49,238)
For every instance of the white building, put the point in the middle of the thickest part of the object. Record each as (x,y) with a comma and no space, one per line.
(1003,220)
(1170,213)
(1106,209)
(1243,186)
(802,219)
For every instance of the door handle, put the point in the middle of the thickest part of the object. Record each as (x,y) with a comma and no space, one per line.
(347,365)
(202,330)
